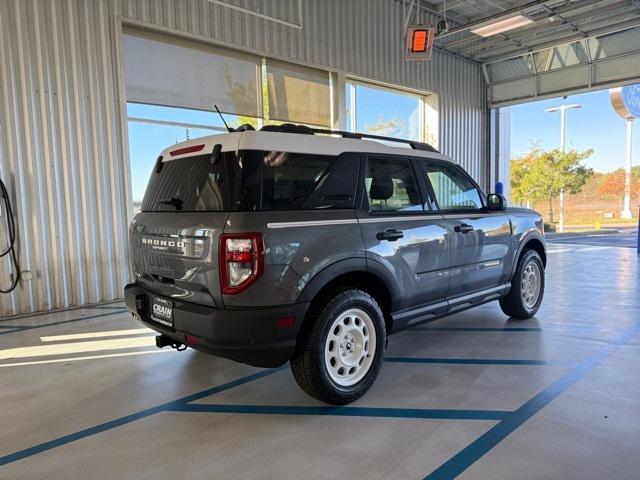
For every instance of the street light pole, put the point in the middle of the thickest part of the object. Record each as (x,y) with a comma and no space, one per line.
(562,129)
(626,210)
(562,109)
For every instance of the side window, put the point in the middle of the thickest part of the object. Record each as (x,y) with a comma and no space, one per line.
(453,190)
(391,185)
(294,181)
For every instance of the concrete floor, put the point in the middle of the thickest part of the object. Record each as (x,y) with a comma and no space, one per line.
(84,394)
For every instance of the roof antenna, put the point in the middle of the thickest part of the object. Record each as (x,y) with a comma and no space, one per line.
(225,123)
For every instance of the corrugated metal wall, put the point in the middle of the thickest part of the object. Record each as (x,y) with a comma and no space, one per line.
(62,154)
(62,148)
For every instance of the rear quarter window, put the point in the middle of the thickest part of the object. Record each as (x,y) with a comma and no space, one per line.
(296,181)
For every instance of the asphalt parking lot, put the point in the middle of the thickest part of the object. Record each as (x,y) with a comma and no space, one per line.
(472,396)
(617,237)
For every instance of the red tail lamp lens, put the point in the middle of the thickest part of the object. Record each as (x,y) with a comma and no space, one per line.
(241,261)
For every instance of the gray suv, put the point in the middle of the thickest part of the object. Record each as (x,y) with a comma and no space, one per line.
(311,246)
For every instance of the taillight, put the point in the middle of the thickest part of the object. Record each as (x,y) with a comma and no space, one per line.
(189,149)
(241,261)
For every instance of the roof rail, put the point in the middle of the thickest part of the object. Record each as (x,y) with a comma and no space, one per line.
(303,129)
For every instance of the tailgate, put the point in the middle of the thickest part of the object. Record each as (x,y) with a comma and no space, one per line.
(175,254)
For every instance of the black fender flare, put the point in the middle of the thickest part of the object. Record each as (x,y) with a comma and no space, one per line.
(349,265)
(532,235)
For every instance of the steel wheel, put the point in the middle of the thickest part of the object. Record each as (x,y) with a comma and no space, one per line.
(530,285)
(350,347)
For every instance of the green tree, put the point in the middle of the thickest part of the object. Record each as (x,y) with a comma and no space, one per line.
(541,175)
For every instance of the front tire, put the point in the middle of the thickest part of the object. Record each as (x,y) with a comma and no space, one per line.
(527,287)
(339,356)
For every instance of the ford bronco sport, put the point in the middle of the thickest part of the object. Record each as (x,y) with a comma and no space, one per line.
(310,246)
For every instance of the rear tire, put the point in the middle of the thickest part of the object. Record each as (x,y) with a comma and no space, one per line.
(527,287)
(338,357)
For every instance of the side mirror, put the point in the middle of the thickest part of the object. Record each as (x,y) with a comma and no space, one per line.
(496,203)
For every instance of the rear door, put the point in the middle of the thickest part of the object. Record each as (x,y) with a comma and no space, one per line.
(400,235)
(480,240)
(174,240)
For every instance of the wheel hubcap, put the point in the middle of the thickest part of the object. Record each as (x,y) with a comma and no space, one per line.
(350,347)
(530,285)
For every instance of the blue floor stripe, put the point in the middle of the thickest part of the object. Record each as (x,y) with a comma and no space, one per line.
(473,452)
(550,329)
(477,329)
(77,319)
(477,361)
(27,452)
(384,412)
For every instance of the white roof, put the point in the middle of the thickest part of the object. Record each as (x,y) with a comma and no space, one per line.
(290,142)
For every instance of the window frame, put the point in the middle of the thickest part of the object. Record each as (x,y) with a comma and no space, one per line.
(420,187)
(483,196)
(351,84)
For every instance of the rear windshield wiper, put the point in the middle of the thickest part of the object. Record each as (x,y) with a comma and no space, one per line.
(173,201)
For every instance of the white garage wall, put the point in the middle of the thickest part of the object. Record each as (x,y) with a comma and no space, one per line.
(62,152)
(62,146)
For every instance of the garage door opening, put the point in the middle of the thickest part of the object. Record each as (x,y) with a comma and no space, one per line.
(569,158)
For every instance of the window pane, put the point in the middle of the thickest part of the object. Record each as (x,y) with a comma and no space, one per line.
(512,68)
(302,182)
(561,56)
(454,191)
(391,186)
(613,44)
(163,70)
(298,94)
(387,113)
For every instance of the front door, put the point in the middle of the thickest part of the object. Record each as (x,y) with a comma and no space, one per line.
(401,235)
(480,239)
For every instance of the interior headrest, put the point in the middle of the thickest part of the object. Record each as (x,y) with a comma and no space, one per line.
(381,188)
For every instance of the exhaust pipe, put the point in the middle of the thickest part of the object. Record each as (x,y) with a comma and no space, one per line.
(164,341)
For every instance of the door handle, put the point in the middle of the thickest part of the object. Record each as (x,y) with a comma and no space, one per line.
(463,228)
(390,234)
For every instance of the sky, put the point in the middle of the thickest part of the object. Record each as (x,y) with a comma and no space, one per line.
(595,125)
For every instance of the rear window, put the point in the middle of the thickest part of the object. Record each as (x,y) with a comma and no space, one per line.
(189,184)
(254,180)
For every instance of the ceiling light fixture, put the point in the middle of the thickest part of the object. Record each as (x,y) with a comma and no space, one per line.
(494,27)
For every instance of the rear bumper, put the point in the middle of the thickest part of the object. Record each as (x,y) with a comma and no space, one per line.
(245,335)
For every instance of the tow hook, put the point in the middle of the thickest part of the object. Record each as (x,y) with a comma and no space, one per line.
(164,341)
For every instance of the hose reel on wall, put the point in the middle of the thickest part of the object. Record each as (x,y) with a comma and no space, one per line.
(10,251)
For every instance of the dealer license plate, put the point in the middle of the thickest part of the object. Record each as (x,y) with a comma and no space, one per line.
(162,311)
